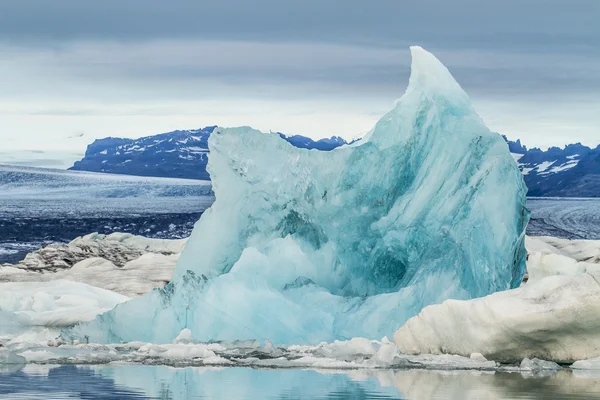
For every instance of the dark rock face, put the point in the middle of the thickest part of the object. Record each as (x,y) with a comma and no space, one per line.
(177,154)
(515,147)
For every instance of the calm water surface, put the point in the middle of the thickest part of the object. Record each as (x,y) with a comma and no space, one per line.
(167,383)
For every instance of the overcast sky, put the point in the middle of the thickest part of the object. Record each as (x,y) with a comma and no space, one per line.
(73,70)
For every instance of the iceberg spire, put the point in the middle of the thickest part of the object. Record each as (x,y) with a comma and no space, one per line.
(430,77)
(306,246)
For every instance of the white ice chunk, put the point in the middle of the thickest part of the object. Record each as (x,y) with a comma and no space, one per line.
(51,304)
(555,318)
(538,365)
(592,364)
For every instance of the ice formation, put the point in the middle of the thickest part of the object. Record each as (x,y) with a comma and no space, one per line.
(553,256)
(554,318)
(33,310)
(123,263)
(303,246)
(118,248)
(357,353)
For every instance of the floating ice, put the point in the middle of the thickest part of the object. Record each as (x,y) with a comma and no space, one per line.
(553,256)
(592,364)
(9,358)
(307,246)
(358,353)
(554,318)
(30,311)
(538,365)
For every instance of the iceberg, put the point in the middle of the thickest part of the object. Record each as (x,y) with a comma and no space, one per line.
(304,246)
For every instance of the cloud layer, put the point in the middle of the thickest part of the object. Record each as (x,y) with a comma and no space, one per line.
(314,67)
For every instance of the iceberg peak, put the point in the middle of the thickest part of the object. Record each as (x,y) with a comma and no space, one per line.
(430,77)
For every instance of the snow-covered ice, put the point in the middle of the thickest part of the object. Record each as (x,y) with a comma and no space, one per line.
(104,274)
(536,364)
(28,309)
(303,246)
(118,248)
(358,353)
(590,364)
(554,318)
(124,263)
(553,256)
(579,250)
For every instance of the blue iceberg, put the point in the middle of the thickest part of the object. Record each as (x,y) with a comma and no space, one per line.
(303,246)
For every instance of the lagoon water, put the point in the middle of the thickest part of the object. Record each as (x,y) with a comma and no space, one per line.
(125,382)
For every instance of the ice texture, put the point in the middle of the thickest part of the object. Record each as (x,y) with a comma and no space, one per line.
(303,246)
(553,256)
(357,353)
(553,318)
(120,262)
(33,310)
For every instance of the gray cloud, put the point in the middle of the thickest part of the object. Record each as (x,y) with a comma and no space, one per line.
(380,22)
(141,57)
(179,69)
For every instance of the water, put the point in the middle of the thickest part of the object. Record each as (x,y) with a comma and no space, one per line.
(166,383)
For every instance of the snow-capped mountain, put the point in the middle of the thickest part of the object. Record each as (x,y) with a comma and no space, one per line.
(177,154)
(325,144)
(573,171)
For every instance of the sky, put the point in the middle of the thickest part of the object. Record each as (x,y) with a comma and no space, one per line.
(72,71)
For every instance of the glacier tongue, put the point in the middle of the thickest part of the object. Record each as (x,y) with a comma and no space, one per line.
(303,246)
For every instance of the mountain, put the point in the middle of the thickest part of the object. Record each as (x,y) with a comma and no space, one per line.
(321,144)
(573,171)
(177,154)
(515,147)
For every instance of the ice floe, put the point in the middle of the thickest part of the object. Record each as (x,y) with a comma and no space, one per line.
(554,318)
(124,263)
(29,310)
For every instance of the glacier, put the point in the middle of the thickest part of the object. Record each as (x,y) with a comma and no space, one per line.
(304,246)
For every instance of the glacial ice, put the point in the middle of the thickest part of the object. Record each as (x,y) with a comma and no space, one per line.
(358,353)
(303,246)
(120,262)
(554,318)
(33,311)
(553,256)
